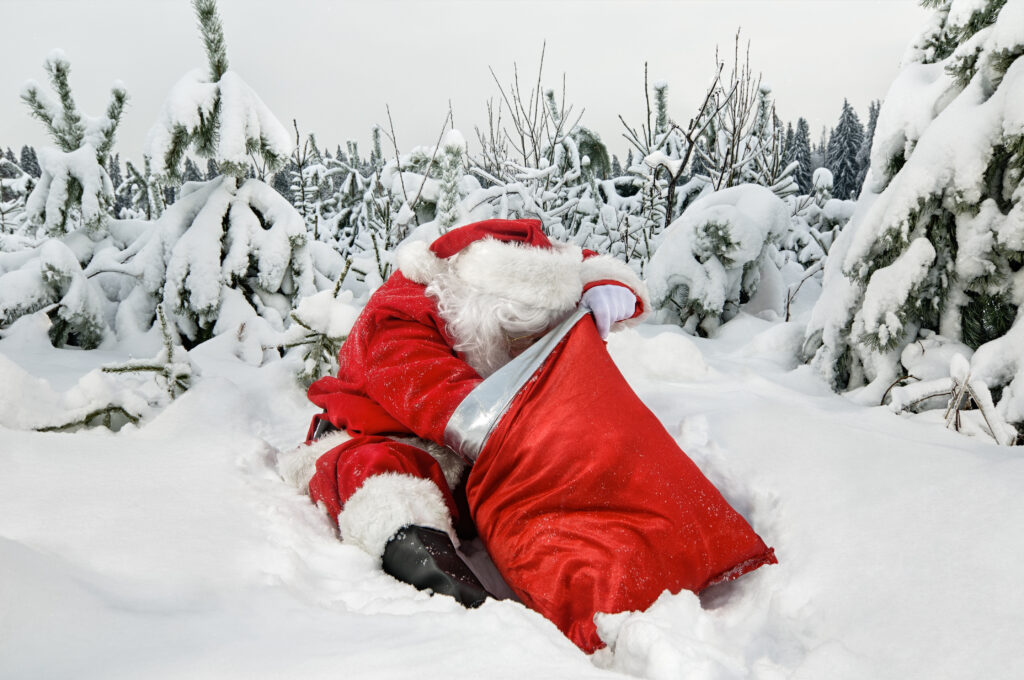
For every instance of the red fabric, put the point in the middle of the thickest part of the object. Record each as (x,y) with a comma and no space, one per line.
(398,373)
(343,469)
(521,231)
(586,503)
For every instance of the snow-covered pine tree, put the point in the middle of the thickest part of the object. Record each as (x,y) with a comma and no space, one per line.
(936,246)
(864,155)
(376,152)
(841,152)
(29,161)
(802,155)
(73,189)
(788,146)
(616,168)
(452,162)
(347,190)
(591,147)
(116,180)
(15,186)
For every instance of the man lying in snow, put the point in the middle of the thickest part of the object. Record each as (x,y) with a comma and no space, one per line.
(584,502)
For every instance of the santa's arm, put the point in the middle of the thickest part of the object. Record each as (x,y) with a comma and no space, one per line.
(413,373)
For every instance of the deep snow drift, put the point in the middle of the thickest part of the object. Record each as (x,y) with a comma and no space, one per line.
(174,549)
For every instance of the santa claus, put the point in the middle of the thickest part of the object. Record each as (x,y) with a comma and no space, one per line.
(455,311)
(583,500)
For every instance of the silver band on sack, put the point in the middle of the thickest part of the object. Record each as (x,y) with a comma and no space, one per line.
(478,414)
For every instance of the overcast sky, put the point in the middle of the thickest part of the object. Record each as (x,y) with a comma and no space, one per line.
(334,65)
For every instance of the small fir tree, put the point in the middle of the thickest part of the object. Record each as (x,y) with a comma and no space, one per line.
(841,155)
(29,161)
(864,155)
(802,155)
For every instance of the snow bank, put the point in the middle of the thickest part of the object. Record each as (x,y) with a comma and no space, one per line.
(174,548)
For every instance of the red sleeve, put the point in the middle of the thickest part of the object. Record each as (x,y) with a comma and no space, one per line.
(415,375)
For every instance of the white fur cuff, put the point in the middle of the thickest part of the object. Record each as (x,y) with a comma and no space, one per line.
(387,502)
(298,465)
(417,263)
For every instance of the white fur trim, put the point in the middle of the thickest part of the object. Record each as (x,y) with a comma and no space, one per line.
(606,267)
(548,278)
(418,263)
(298,465)
(387,502)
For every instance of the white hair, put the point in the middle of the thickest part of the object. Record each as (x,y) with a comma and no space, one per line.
(482,323)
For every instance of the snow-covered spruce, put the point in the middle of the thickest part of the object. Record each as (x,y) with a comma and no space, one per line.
(938,236)
(51,277)
(710,260)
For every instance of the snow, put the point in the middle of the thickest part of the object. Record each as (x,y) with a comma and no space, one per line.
(244,116)
(960,11)
(174,549)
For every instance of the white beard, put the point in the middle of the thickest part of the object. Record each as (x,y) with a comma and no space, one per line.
(483,324)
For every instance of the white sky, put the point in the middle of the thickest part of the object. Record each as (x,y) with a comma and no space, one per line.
(334,65)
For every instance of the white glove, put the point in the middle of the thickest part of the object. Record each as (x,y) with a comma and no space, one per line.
(609,303)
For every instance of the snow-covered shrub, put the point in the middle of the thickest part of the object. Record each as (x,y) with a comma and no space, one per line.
(938,236)
(709,261)
(450,212)
(15,186)
(817,219)
(309,186)
(218,236)
(74,189)
(110,397)
(50,276)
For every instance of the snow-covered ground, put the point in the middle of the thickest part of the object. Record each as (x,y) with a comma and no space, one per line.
(175,550)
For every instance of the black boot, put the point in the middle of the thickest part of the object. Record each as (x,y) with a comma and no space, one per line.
(426,558)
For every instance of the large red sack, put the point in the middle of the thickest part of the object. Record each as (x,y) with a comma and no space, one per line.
(586,504)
